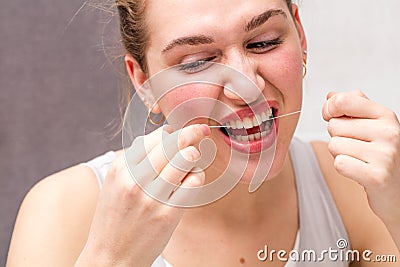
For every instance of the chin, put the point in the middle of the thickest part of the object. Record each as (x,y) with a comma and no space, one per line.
(275,169)
(280,156)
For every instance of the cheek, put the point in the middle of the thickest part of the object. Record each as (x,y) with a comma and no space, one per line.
(283,69)
(193,101)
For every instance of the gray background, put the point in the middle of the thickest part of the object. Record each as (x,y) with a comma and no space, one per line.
(60,93)
(59,96)
(352,45)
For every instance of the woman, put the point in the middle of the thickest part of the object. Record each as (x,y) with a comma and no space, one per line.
(314,195)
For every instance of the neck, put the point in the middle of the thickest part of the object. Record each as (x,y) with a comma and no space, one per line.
(241,207)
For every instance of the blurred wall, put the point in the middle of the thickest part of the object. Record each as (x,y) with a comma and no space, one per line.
(351,45)
(59,95)
(59,91)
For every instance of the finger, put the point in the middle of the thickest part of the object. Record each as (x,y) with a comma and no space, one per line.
(353,168)
(142,145)
(151,166)
(355,93)
(172,176)
(361,129)
(361,150)
(330,94)
(191,135)
(344,105)
(185,195)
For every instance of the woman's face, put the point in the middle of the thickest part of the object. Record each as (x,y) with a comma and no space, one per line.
(259,38)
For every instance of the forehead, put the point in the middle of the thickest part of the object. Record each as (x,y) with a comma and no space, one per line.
(167,19)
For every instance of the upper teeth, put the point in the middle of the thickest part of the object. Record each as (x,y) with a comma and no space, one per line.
(250,122)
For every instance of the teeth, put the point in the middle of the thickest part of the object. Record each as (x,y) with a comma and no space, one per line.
(264,117)
(257,120)
(248,123)
(251,137)
(245,138)
(268,127)
(268,113)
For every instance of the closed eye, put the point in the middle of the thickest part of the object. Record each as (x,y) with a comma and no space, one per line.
(196,66)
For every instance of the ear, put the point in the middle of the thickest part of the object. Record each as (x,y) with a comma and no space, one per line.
(299,27)
(138,77)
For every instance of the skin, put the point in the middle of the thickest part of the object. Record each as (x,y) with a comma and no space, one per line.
(122,226)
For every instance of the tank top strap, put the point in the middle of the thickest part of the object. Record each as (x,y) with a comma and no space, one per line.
(321,226)
(100,166)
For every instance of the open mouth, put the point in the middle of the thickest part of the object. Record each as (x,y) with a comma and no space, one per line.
(252,128)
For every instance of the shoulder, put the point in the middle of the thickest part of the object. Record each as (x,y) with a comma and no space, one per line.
(352,203)
(55,215)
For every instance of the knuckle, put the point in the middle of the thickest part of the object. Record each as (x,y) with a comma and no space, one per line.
(333,145)
(339,100)
(392,133)
(190,153)
(129,192)
(332,127)
(188,137)
(147,206)
(339,164)
(197,131)
(197,179)
(183,140)
(395,134)
(391,155)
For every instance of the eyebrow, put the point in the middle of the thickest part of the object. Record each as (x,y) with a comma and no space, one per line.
(189,40)
(203,39)
(263,18)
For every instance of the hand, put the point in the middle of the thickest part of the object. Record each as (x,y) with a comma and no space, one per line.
(366,146)
(130,228)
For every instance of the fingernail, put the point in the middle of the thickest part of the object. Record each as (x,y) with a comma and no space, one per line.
(206,130)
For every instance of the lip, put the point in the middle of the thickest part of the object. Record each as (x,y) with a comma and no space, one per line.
(252,147)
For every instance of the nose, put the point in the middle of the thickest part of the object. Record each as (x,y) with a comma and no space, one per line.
(242,82)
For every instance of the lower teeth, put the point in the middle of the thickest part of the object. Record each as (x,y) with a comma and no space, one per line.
(252,137)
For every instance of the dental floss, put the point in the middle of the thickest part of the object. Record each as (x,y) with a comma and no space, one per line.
(281,116)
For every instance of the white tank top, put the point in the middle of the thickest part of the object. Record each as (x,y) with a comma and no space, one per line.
(321,228)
